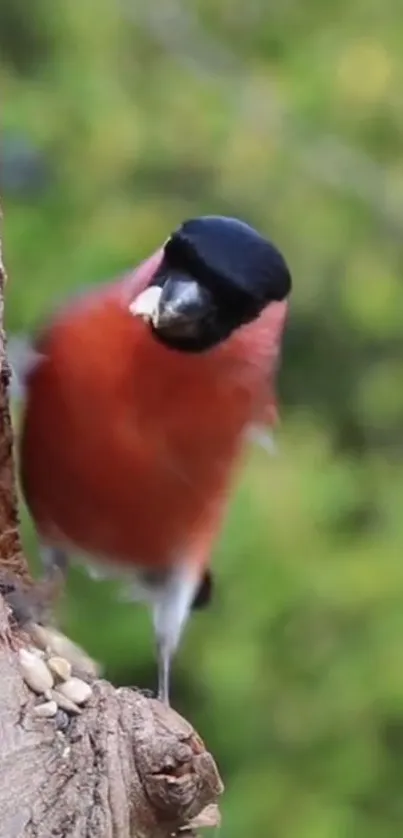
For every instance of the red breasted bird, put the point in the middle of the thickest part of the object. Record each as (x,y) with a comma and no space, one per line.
(137,407)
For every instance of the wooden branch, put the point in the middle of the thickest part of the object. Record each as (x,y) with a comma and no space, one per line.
(11,554)
(123,766)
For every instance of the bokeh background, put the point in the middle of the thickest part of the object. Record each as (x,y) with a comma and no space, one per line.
(119,119)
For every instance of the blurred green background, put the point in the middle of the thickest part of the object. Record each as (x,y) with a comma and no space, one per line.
(120,119)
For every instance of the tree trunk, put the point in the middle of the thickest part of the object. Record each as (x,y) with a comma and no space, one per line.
(121,766)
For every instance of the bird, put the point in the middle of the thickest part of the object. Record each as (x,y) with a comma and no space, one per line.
(139,396)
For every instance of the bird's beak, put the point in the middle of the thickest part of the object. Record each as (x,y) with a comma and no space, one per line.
(176,309)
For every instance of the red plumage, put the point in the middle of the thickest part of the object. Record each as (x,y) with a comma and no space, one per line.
(128,448)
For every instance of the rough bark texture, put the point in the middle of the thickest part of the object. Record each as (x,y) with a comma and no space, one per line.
(11,555)
(126,767)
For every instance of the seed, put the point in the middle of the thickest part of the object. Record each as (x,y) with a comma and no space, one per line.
(60,667)
(46,710)
(76,690)
(58,645)
(35,672)
(65,703)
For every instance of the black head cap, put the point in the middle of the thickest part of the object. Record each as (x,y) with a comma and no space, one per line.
(217,274)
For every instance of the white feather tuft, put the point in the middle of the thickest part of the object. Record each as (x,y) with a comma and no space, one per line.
(260,436)
(22,359)
(145,305)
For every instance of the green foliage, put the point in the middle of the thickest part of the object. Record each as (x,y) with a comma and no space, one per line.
(290,116)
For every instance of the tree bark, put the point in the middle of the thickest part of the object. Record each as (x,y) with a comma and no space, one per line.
(125,766)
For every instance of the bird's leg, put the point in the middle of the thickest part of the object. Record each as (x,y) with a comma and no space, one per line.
(35,612)
(171,609)
(55,563)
